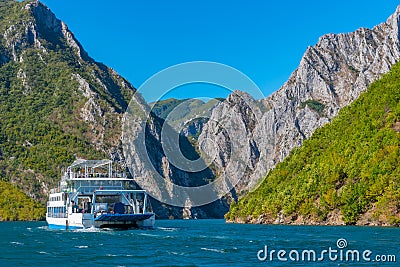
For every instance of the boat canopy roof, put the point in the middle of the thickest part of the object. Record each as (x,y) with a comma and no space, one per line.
(79,163)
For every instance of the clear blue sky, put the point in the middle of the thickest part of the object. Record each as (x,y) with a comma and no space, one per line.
(263,39)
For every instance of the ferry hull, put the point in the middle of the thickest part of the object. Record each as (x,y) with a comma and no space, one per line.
(62,227)
(123,220)
(78,221)
(63,223)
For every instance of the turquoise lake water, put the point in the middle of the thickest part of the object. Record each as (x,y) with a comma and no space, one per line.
(199,243)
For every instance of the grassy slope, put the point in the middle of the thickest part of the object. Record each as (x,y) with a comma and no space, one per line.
(349,169)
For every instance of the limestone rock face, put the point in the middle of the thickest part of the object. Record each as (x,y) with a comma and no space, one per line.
(331,75)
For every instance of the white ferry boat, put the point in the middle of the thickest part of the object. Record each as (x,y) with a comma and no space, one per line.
(90,194)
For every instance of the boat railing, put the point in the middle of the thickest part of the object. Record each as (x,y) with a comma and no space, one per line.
(91,189)
(78,175)
(49,203)
(55,190)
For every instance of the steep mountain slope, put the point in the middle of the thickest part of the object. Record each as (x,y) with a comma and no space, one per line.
(348,172)
(330,76)
(56,104)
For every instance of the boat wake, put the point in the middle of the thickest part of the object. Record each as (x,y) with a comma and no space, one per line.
(167,229)
(213,250)
(81,246)
(149,235)
(17,243)
(92,230)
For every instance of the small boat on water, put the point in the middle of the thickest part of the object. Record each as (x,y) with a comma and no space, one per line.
(91,194)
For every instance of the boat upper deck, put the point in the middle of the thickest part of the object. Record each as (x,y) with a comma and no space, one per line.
(83,169)
(87,175)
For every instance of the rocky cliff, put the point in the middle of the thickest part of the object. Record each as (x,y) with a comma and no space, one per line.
(331,75)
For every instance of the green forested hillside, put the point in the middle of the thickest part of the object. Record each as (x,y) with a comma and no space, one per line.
(16,205)
(347,172)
